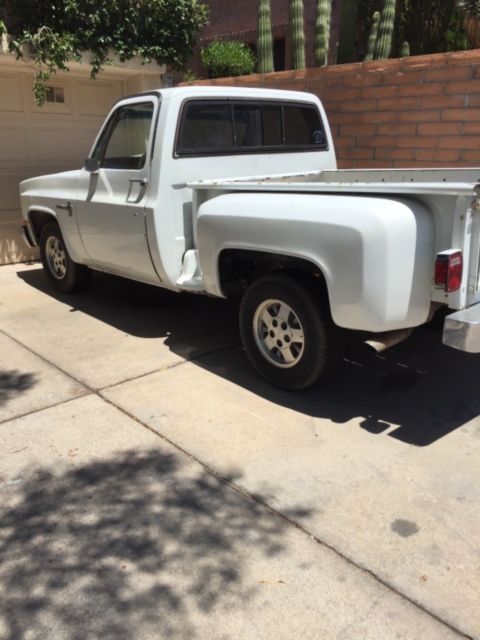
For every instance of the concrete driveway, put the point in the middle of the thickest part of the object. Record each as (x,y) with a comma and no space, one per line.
(153,487)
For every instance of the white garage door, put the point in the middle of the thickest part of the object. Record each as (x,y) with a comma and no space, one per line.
(35,141)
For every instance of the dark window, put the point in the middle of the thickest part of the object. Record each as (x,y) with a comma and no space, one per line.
(124,141)
(303,127)
(279,54)
(272,135)
(206,127)
(247,130)
(227,127)
(54,94)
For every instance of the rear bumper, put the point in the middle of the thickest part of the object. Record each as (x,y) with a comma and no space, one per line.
(462,330)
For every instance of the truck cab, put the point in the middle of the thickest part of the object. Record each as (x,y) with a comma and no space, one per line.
(128,211)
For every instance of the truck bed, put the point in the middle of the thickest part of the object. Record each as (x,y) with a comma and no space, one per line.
(411,181)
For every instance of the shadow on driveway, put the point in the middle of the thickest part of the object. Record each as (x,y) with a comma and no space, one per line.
(418,391)
(13,383)
(134,546)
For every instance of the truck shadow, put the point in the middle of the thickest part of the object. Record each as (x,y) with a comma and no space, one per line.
(139,544)
(416,392)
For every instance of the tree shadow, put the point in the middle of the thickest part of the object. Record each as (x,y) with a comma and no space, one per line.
(139,545)
(416,392)
(13,383)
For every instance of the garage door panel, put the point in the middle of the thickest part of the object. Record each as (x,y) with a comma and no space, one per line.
(10,93)
(9,189)
(96,98)
(50,108)
(13,143)
(53,143)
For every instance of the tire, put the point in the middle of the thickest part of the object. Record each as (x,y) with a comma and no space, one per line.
(288,333)
(63,274)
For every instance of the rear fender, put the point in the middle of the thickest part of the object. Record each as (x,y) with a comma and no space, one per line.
(376,254)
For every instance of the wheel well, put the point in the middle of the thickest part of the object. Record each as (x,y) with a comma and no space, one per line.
(38,219)
(237,268)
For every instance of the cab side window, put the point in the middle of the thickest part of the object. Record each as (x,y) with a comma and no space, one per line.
(124,143)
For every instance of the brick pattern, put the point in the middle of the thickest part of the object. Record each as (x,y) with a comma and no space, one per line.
(422,111)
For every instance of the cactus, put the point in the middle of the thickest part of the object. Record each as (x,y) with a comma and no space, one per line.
(264,38)
(470,10)
(372,38)
(297,35)
(322,32)
(405,50)
(383,46)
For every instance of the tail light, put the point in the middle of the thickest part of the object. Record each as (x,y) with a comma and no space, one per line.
(449,270)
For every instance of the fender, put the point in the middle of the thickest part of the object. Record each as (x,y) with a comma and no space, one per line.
(42,195)
(376,253)
(72,240)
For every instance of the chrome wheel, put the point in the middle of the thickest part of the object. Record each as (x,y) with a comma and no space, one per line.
(278,333)
(56,257)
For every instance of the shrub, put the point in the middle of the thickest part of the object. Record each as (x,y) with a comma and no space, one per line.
(225,58)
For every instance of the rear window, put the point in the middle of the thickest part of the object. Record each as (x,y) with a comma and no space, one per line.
(209,127)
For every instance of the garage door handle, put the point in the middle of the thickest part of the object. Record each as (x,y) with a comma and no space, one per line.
(67,206)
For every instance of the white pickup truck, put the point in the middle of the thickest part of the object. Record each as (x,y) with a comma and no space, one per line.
(313,250)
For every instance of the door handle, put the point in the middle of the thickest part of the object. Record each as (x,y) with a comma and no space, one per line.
(143,182)
(66,206)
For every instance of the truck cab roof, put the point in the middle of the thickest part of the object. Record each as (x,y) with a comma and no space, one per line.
(193,91)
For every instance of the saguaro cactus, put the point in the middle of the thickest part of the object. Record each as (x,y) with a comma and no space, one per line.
(470,10)
(322,32)
(372,38)
(264,38)
(383,45)
(405,50)
(297,35)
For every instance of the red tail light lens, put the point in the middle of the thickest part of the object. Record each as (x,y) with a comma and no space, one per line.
(449,270)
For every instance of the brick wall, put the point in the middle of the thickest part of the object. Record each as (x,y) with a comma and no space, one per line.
(422,111)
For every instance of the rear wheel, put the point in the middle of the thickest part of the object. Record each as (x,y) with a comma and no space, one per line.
(63,274)
(288,332)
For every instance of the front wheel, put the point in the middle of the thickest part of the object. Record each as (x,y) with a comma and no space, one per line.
(287,332)
(63,274)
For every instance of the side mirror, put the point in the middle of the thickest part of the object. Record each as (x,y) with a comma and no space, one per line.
(92,165)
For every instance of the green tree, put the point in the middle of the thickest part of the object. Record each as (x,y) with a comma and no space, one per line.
(58,31)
